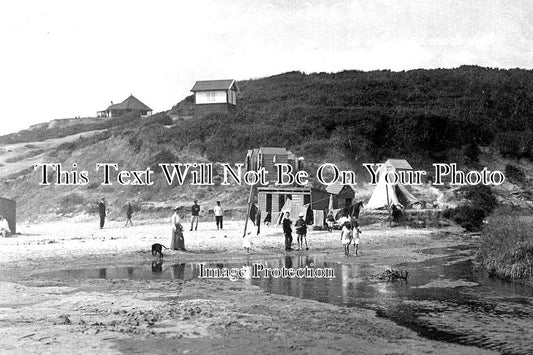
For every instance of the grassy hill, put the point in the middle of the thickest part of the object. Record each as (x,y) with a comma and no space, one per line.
(470,115)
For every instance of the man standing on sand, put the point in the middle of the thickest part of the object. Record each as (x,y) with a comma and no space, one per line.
(102,212)
(219,214)
(4,227)
(287,230)
(195,209)
(129,213)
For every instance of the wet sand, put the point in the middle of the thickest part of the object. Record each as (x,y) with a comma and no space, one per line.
(65,316)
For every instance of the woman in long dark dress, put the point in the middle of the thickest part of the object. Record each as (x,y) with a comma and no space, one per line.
(177,242)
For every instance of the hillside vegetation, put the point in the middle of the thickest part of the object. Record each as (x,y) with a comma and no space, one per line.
(444,115)
(422,115)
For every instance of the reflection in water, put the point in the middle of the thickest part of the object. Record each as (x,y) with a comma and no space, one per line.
(157,267)
(445,298)
(178,271)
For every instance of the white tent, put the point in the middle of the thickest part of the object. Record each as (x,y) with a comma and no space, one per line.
(385,194)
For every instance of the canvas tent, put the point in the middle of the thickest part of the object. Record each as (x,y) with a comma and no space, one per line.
(385,194)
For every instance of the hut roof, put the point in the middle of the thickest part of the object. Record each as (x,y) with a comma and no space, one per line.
(337,187)
(208,85)
(131,103)
(399,164)
(273,150)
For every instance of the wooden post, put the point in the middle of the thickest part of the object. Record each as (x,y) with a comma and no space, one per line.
(388,205)
(248,210)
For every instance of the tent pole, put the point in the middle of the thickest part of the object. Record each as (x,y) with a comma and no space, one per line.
(388,204)
(248,210)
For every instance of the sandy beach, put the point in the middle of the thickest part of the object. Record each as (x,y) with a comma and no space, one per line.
(54,315)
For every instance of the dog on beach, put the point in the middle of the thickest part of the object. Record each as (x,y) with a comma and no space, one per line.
(158,249)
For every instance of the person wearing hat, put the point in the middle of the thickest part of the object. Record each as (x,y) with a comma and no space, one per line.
(177,242)
(219,215)
(4,227)
(287,230)
(301,231)
(195,210)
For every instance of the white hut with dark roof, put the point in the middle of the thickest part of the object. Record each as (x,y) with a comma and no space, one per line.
(214,96)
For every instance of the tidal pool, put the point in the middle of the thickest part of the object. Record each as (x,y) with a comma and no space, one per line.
(444,298)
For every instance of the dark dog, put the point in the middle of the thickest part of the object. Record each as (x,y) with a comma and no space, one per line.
(158,249)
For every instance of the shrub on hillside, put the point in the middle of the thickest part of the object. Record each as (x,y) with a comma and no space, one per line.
(514,174)
(480,196)
(161,118)
(468,217)
(480,203)
(506,247)
(164,156)
(471,151)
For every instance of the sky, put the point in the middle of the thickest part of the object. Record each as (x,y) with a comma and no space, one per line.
(62,59)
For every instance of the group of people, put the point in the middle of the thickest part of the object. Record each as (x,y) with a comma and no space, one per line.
(178,242)
(301,231)
(195,214)
(102,212)
(350,233)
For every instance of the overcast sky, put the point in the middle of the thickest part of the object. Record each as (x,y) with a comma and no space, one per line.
(71,58)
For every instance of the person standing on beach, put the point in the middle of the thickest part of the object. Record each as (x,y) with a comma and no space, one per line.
(129,213)
(356,233)
(301,232)
(195,210)
(287,230)
(102,212)
(219,215)
(346,238)
(177,242)
(330,219)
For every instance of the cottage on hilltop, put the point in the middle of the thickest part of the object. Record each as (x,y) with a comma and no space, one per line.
(214,96)
(131,105)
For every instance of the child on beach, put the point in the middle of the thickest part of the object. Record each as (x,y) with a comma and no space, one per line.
(301,231)
(356,232)
(247,242)
(346,238)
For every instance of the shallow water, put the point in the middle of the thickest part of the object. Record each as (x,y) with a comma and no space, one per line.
(443,299)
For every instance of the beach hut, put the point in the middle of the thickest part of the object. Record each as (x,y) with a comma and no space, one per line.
(212,96)
(341,195)
(8,209)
